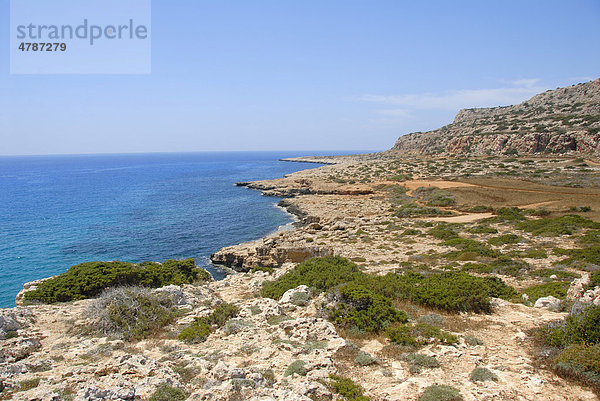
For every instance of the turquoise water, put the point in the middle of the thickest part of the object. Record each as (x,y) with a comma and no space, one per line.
(57,211)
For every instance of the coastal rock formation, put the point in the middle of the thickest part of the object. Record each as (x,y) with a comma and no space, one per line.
(560,121)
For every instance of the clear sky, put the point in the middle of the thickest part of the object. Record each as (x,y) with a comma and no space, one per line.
(302,75)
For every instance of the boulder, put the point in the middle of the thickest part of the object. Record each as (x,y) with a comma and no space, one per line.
(548,302)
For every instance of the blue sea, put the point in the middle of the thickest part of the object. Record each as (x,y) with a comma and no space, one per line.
(58,211)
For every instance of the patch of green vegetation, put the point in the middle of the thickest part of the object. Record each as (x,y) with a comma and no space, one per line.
(557,289)
(503,265)
(165,392)
(320,273)
(434,196)
(90,279)
(473,341)
(365,359)
(505,239)
(442,392)
(411,231)
(131,313)
(443,231)
(419,334)
(346,388)
(29,384)
(555,226)
(507,215)
(482,229)
(482,374)
(467,247)
(591,237)
(412,209)
(199,330)
(364,309)
(580,257)
(594,280)
(560,274)
(533,253)
(419,361)
(298,367)
(577,339)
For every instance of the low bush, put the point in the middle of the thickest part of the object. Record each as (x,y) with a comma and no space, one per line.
(595,278)
(165,392)
(482,229)
(560,274)
(412,209)
(482,374)
(507,215)
(90,279)
(419,361)
(438,392)
(473,341)
(297,367)
(364,309)
(505,239)
(364,359)
(419,334)
(346,388)
(533,253)
(443,231)
(577,339)
(580,257)
(467,245)
(555,226)
(199,330)
(433,196)
(131,313)
(557,289)
(320,273)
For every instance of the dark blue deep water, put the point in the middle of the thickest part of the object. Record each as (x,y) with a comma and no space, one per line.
(58,211)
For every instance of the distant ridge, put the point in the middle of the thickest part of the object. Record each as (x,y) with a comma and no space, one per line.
(561,121)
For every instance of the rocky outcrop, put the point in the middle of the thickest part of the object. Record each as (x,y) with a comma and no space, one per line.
(269,252)
(561,121)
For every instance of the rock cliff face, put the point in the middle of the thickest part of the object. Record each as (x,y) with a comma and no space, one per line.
(561,121)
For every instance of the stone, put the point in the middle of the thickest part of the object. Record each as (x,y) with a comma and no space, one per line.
(548,302)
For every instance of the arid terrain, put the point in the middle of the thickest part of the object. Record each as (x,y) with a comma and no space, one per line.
(531,221)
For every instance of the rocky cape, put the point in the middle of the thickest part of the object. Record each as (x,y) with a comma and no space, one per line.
(561,121)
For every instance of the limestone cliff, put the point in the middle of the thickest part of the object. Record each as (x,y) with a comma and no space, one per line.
(561,121)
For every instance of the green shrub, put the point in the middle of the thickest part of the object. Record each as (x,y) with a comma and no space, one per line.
(482,374)
(595,278)
(320,273)
(532,253)
(591,237)
(422,361)
(412,209)
(443,231)
(432,319)
(364,359)
(29,384)
(560,274)
(505,239)
(482,229)
(441,393)
(131,313)
(411,231)
(165,392)
(419,334)
(90,279)
(580,362)
(459,292)
(557,289)
(364,309)
(434,196)
(199,330)
(507,215)
(347,388)
(472,340)
(580,257)
(297,367)
(555,226)
(467,245)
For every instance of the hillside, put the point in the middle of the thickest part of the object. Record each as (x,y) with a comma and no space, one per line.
(561,121)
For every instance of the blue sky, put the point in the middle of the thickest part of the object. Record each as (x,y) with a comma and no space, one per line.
(302,75)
